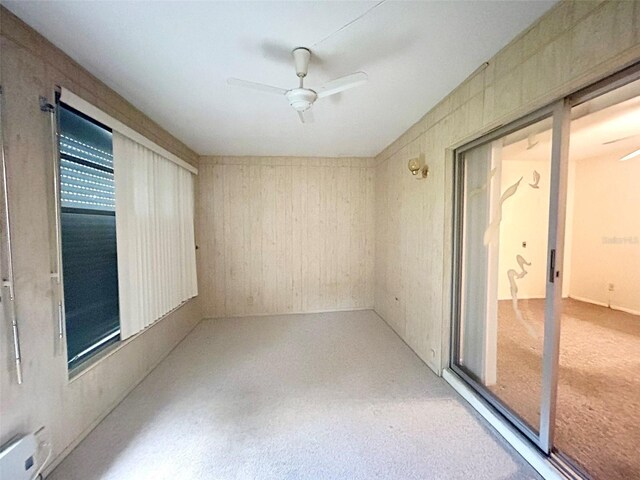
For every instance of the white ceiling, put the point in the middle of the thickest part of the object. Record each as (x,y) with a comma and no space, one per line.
(171,60)
(608,126)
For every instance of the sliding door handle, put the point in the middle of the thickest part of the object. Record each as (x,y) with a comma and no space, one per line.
(552,265)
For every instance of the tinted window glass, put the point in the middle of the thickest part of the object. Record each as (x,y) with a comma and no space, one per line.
(88,227)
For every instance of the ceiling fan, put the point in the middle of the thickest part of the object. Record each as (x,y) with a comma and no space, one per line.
(301,98)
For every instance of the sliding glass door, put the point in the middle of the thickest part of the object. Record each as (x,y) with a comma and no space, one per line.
(597,427)
(505,209)
(525,194)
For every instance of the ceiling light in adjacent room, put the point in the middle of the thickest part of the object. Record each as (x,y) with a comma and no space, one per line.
(631,155)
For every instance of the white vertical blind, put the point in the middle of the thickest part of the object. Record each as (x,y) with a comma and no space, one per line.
(95,113)
(155,234)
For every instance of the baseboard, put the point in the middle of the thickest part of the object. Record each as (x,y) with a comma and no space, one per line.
(433,367)
(533,297)
(530,453)
(585,300)
(69,448)
(606,305)
(247,315)
(588,300)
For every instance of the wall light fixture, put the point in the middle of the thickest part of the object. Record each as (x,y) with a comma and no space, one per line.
(418,166)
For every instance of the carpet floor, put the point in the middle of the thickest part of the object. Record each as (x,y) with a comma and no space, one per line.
(318,396)
(598,405)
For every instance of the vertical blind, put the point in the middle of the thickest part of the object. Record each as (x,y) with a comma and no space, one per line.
(154,204)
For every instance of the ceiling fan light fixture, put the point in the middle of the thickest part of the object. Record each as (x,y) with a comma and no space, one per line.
(631,155)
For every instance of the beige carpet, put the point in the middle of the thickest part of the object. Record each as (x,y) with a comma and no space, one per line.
(322,396)
(598,411)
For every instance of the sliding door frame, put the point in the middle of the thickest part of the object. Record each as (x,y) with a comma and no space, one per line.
(617,80)
(560,111)
(555,262)
(602,87)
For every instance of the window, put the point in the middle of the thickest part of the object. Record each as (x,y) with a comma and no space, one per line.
(125,260)
(88,234)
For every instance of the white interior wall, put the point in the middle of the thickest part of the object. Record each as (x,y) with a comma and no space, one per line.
(568,229)
(606,232)
(525,220)
(601,208)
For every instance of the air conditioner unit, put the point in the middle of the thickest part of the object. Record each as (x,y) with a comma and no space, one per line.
(18,458)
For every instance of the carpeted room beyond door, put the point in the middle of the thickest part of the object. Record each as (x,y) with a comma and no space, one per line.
(598,384)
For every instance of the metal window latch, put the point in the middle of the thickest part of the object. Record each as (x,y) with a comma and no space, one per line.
(60,321)
(9,285)
(45,106)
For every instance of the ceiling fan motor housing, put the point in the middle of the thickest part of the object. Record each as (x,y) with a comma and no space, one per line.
(301,58)
(301,99)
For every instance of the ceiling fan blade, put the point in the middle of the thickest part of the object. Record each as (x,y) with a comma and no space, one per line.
(256,86)
(306,116)
(341,84)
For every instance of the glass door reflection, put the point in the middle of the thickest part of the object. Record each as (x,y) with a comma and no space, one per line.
(503,269)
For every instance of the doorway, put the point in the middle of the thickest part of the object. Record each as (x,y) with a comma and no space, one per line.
(546,320)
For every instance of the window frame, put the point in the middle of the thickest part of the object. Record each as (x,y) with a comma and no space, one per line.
(105,345)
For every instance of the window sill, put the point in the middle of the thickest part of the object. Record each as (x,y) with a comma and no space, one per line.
(88,364)
(79,371)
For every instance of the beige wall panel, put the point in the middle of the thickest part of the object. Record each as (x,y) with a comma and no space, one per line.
(294,235)
(280,235)
(573,45)
(31,67)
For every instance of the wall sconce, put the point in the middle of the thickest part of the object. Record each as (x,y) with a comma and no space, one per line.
(415,168)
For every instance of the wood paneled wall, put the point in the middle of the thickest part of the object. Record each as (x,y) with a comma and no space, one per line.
(560,53)
(285,235)
(30,66)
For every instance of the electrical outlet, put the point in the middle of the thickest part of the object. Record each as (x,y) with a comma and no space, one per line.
(611,287)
